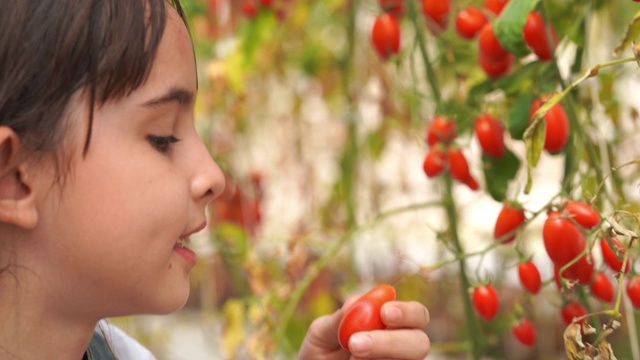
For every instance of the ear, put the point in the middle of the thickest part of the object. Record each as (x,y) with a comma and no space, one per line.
(17,205)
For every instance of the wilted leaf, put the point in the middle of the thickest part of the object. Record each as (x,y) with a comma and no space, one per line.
(573,345)
(534,138)
(633,31)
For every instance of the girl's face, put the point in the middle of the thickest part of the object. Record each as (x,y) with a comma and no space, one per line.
(106,242)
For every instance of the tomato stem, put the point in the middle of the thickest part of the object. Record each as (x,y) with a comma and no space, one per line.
(431,75)
(473,334)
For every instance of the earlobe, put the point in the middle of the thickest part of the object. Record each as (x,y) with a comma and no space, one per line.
(17,205)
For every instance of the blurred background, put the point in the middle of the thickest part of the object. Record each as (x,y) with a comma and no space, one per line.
(322,140)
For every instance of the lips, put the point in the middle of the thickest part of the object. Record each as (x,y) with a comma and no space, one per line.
(184,240)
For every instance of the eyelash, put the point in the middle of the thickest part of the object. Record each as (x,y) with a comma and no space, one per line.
(162,143)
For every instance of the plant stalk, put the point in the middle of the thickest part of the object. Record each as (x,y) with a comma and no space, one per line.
(473,332)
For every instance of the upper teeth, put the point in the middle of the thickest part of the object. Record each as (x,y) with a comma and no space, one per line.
(182,242)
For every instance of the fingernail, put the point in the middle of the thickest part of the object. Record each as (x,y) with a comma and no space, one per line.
(392,315)
(360,343)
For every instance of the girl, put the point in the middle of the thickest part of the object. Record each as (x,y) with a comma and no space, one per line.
(103,178)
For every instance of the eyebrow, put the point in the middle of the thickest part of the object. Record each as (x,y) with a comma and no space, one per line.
(180,95)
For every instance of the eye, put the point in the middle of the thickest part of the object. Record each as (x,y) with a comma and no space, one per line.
(162,143)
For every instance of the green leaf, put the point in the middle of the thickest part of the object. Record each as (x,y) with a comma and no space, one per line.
(508,27)
(499,172)
(519,116)
(633,31)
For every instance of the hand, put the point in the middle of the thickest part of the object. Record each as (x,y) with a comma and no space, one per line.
(404,337)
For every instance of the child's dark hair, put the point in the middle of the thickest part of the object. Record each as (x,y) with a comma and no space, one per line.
(51,49)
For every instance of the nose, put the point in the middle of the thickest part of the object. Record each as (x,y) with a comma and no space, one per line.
(208,181)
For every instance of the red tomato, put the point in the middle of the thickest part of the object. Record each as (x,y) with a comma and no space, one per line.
(441,130)
(469,22)
(490,133)
(490,47)
(458,165)
(435,162)
(536,36)
(364,314)
(613,261)
(563,240)
(396,8)
(495,69)
(266,3)
(583,213)
(530,276)
(386,35)
(602,288)
(557,134)
(573,310)
(486,301)
(249,9)
(496,6)
(510,218)
(633,291)
(525,332)
(472,183)
(437,14)
(581,271)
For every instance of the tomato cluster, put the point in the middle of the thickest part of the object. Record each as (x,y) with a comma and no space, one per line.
(568,235)
(443,155)
(386,31)
(495,60)
(250,8)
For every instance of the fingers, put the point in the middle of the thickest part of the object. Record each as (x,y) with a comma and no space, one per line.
(401,314)
(384,344)
(404,338)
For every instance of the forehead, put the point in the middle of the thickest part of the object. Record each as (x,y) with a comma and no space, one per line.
(174,64)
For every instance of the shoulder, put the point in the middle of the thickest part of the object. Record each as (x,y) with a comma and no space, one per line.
(123,346)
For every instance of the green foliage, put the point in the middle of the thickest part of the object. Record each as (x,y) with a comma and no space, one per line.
(508,27)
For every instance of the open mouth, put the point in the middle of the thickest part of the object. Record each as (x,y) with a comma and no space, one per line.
(182,242)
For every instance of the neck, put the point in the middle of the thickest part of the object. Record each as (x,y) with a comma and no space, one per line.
(31,328)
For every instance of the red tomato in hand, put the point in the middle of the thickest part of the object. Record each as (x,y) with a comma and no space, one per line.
(364,314)
(583,213)
(633,291)
(486,301)
(530,276)
(396,8)
(496,6)
(469,22)
(611,258)
(510,218)
(540,38)
(441,130)
(435,162)
(557,134)
(602,288)
(563,240)
(525,332)
(386,35)
(437,14)
(490,133)
(490,47)
(573,310)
